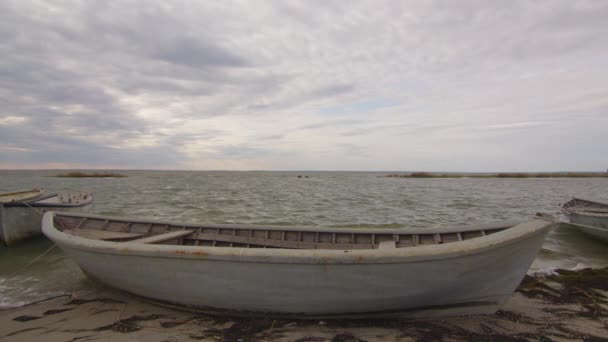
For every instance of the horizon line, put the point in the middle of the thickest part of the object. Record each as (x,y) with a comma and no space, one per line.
(262,170)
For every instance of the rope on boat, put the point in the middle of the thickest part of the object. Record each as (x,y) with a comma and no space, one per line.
(33,208)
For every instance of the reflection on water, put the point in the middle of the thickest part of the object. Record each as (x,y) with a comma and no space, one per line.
(337,199)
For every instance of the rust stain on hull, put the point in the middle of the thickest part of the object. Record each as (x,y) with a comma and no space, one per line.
(197,253)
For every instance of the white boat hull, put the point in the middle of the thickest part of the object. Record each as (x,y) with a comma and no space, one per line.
(407,282)
(594,225)
(22,222)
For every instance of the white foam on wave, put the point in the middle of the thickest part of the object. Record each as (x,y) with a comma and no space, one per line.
(550,270)
(18,291)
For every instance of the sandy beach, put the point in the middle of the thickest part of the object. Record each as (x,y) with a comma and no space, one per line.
(565,306)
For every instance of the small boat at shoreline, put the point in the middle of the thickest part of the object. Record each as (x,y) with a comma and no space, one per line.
(304,272)
(21,195)
(589,217)
(21,218)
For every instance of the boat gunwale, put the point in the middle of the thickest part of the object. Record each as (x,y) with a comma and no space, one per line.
(431,230)
(568,211)
(35,191)
(525,230)
(34,202)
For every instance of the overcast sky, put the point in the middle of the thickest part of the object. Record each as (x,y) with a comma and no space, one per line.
(304,85)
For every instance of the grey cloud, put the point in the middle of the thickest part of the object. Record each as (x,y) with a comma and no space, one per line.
(112,68)
(399,129)
(50,147)
(332,90)
(330,123)
(247,151)
(80,152)
(272,137)
(304,97)
(197,53)
(82,63)
(186,139)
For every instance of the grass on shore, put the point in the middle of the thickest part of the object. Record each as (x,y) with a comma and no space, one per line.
(503,175)
(78,174)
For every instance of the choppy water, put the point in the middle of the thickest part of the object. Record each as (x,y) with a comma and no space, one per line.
(338,199)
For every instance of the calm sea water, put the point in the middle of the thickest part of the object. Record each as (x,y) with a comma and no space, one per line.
(337,199)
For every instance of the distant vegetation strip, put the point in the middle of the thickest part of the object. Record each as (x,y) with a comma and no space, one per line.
(91,175)
(501,175)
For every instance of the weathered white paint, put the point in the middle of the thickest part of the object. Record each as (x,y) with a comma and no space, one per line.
(20,195)
(468,277)
(21,222)
(593,224)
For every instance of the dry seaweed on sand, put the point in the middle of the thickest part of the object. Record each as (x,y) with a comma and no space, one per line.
(128,324)
(583,287)
(567,306)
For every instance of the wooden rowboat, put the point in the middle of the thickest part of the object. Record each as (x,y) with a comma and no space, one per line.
(304,272)
(589,217)
(21,195)
(21,219)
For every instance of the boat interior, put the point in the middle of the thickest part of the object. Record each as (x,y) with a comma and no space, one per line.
(123,230)
(71,198)
(65,198)
(578,205)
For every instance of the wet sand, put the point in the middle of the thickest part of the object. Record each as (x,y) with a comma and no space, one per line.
(570,305)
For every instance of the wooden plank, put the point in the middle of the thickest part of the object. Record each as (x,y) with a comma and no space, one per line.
(387,245)
(98,234)
(81,223)
(128,227)
(164,237)
(105,224)
(279,243)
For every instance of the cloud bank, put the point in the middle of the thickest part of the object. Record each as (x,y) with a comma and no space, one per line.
(314,85)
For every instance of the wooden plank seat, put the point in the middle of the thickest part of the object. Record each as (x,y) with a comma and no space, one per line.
(104,228)
(260,241)
(387,245)
(164,237)
(98,234)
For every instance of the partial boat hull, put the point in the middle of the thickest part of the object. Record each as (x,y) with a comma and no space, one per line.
(589,217)
(468,277)
(23,220)
(21,195)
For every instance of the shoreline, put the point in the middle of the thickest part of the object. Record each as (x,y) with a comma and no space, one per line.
(499,175)
(564,306)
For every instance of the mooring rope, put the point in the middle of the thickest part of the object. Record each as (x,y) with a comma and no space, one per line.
(39,256)
(31,262)
(21,269)
(33,208)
